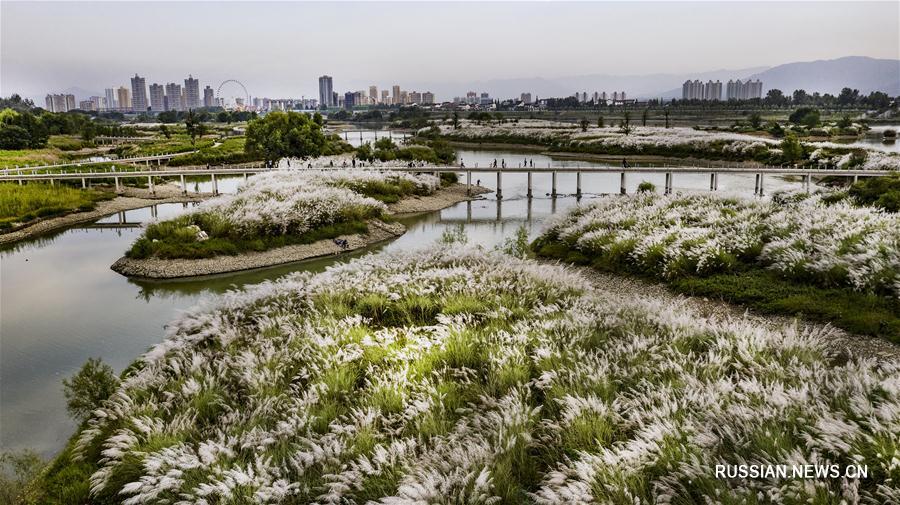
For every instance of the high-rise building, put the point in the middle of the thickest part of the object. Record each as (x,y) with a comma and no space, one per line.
(748,90)
(348,100)
(98,103)
(471,98)
(60,102)
(428,98)
(111,102)
(415,97)
(395,95)
(138,94)
(486,99)
(124,98)
(173,96)
(373,94)
(326,91)
(86,105)
(385,97)
(525,98)
(157,97)
(209,97)
(192,93)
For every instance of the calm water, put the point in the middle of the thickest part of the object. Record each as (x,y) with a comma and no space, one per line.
(60,303)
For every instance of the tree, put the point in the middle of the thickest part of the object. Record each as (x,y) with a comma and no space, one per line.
(799,97)
(644,116)
(878,100)
(775,97)
(584,124)
(806,116)
(89,388)
(755,120)
(285,134)
(666,112)
(791,150)
(848,97)
(455,120)
(195,128)
(626,122)
(164,130)
(600,122)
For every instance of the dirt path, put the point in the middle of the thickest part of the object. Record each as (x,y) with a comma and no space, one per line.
(842,342)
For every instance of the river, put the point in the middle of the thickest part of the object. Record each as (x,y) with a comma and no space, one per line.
(61,304)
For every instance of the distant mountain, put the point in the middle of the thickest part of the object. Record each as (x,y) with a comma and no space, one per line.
(829,76)
(638,86)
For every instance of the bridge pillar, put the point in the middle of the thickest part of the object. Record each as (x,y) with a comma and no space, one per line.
(83,183)
(468,182)
(762,182)
(51,182)
(245,176)
(150,184)
(622,189)
(116,180)
(806,181)
(530,192)
(713,181)
(499,185)
(183,186)
(215,185)
(855,179)
(668,188)
(553,185)
(578,184)
(756,187)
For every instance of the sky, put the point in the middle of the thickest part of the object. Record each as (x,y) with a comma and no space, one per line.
(279,49)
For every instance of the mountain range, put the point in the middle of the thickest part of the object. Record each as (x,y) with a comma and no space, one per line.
(825,76)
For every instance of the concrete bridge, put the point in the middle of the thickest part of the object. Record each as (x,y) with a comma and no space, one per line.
(146,160)
(670,172)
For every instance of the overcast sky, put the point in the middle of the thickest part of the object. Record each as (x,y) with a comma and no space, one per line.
(279,49)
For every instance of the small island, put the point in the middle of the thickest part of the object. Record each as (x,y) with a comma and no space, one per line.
(283,217)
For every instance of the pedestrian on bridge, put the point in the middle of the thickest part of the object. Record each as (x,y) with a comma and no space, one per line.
(624,163)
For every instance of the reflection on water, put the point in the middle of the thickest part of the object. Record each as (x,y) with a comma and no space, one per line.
(61,304)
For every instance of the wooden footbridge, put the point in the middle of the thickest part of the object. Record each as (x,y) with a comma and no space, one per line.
(213,173)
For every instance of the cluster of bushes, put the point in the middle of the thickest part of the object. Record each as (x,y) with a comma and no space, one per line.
(435,151)
(230,151)
(881,192)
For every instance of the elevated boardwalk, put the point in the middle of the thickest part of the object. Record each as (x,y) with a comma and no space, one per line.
(244,171)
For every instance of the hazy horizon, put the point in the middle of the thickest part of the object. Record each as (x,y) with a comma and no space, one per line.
(279,49)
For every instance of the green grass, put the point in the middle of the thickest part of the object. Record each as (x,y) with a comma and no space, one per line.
(765,291)
(230,151)
(21,204)
(173,240)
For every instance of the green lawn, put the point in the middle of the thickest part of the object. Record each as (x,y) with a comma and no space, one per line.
(21,204)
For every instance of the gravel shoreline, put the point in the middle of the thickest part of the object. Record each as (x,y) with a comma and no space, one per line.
(842,343)
(155,268)
(130,199)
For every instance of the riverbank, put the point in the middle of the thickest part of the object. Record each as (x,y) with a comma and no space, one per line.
(156,268)
(379,231)
(129,199)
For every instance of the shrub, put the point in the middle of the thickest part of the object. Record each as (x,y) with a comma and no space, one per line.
(646,187)
(89,388)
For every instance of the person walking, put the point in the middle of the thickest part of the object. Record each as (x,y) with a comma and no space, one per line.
(624,163)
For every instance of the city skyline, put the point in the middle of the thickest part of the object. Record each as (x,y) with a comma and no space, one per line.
(237,49)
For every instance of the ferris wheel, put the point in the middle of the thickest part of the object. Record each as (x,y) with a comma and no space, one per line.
(233,83)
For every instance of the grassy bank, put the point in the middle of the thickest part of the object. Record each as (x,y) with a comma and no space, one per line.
(21,204)
(461,376)
(830,262)
(762,290)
